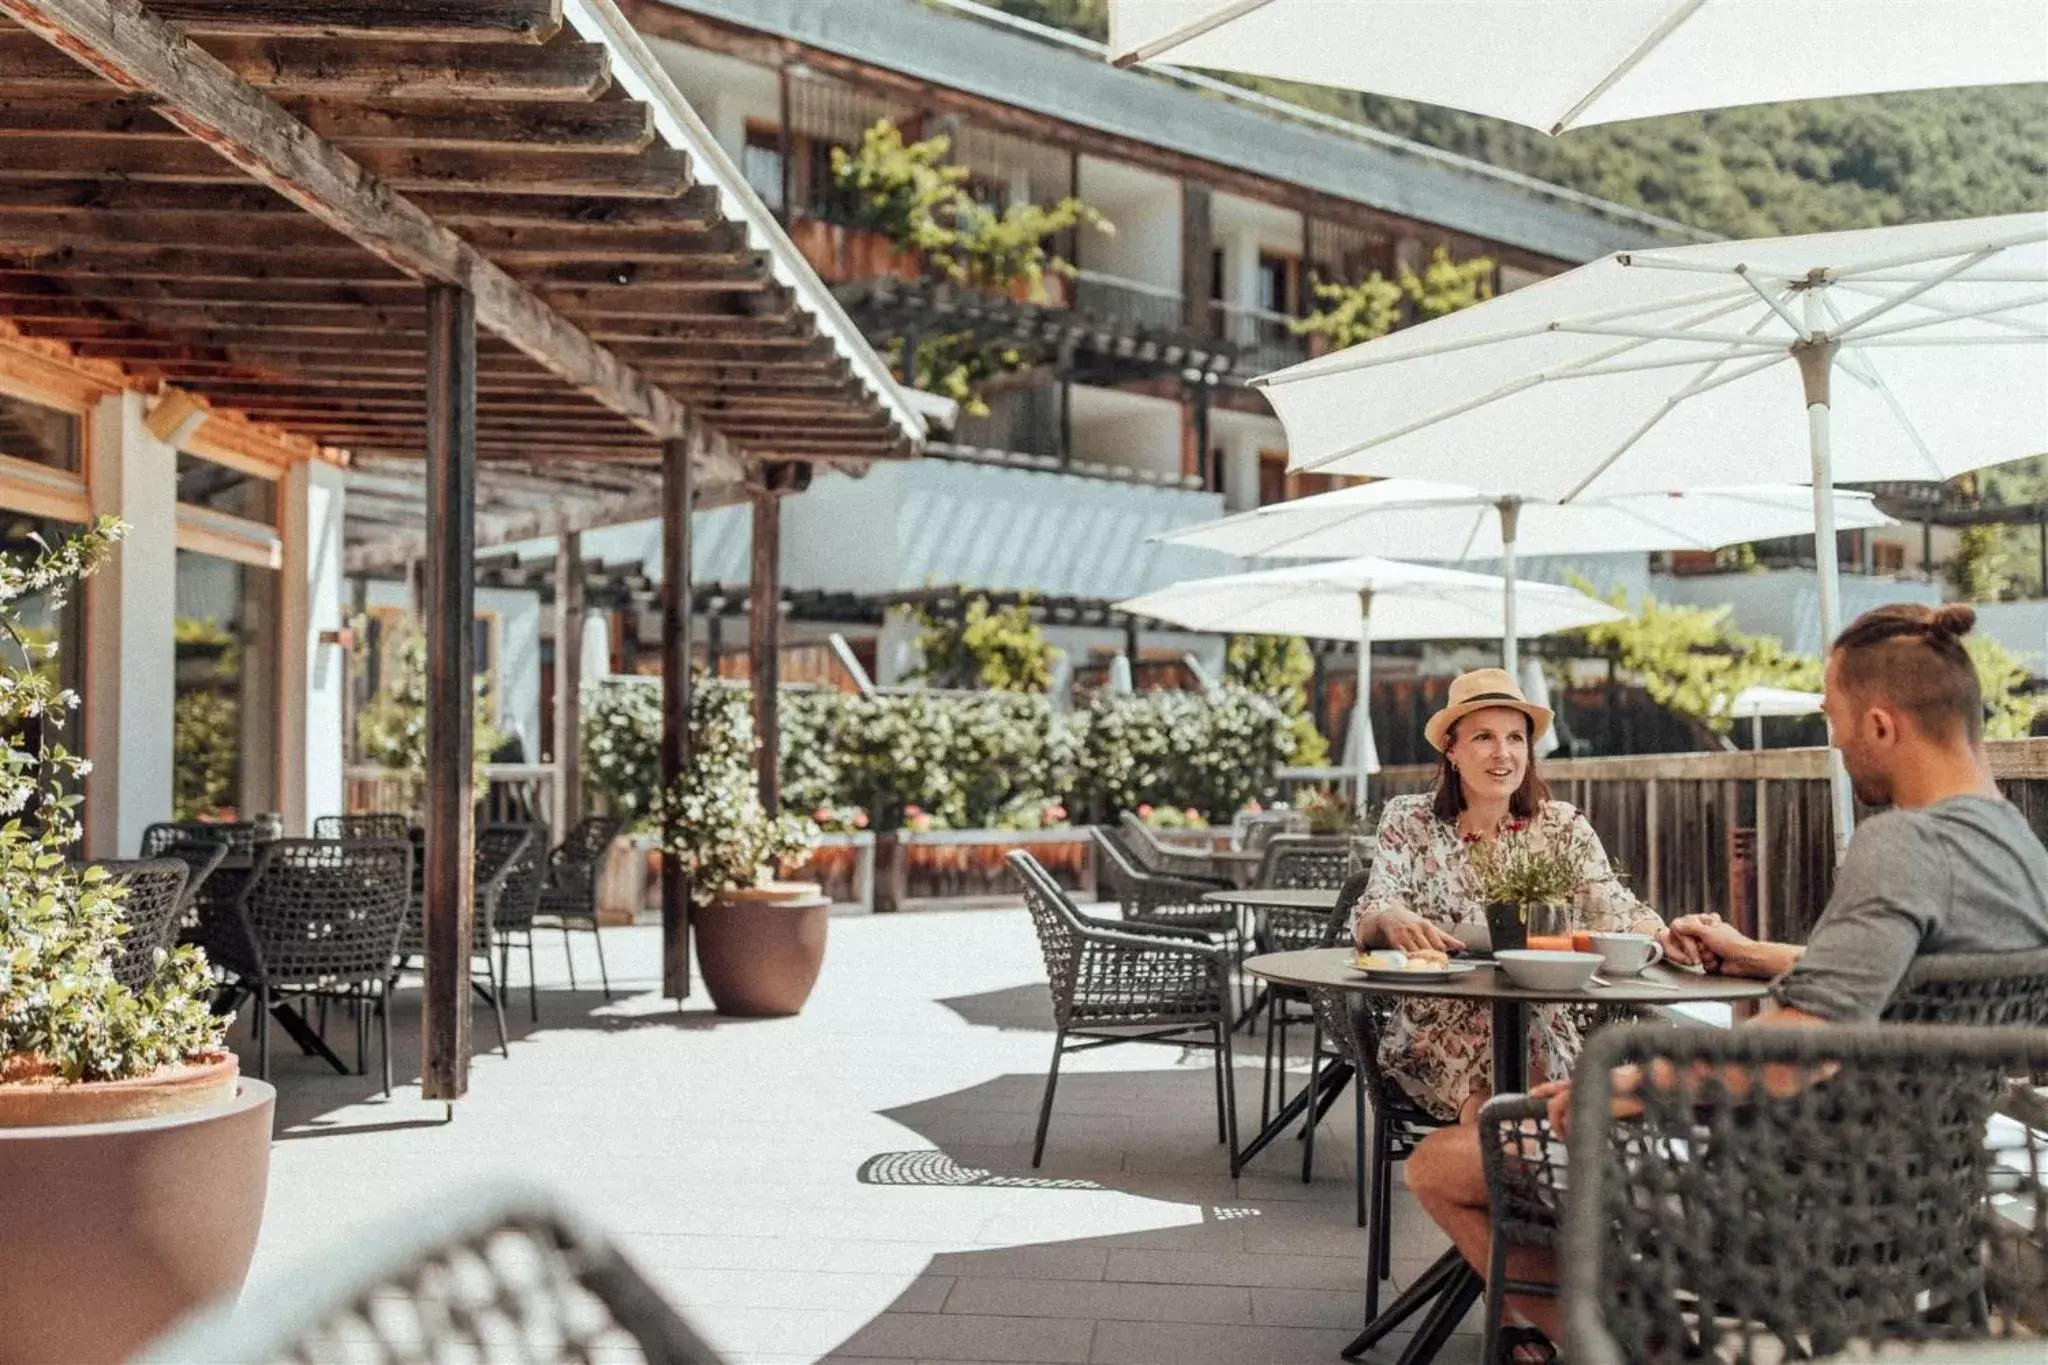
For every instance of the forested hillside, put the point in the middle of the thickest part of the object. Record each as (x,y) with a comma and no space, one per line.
(1744,172)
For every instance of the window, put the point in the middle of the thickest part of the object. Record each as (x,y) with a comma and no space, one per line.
(1887,556)
(43,625)
(761,163)
(201,483)
(39,435)
(222,733)
(1277,275)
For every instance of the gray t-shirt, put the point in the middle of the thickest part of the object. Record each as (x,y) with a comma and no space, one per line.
(1965,875)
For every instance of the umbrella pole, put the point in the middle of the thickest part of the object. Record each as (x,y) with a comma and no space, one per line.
(1361,711)
(1816,355)
(1510,643)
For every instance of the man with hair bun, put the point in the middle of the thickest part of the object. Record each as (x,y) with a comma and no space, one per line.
(1951,867)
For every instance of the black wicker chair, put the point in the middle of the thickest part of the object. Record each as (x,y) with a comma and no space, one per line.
(367,825)
(1156,898)
(498,1273)
(568,891)
(322,918)
(499,851)
(1284,930)
(1524,1159)
(1304,861)
(202,858)
(240,836)
(1839,1191)
(518,901)
(214,896)
(1165,858)
(1128,982)
(152,900)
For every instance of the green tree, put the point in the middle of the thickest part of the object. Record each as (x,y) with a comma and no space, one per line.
(1693,660)
(998,648)
(2000,674)
(1351,313)
(1280,667)
(391,732)
(1976,569)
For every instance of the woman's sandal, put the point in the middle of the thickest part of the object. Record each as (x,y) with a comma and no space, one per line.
(1525,1346)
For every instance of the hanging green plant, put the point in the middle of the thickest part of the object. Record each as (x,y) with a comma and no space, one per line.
(1372,307)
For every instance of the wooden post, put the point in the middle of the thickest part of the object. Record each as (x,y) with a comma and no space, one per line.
(568,681)
(765,642)
(1731,816)
(1652,845)
(449,599)
(678,499)
(1763,859)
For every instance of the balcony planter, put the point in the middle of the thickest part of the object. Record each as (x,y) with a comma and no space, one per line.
(760,947)
(124,1205)
(956,866)
(844,865)
(840,254)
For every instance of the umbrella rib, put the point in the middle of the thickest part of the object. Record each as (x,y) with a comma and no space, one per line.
(1182,34)
(2036,233)
(1666,26)
(1878,310)
(1947,314)
(1875,380)
(1777,305)
(1664,409)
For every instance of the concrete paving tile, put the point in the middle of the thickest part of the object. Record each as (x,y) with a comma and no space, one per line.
(1040,1341)
(1230,1268)
(1333,1308)
(1102,1301)
(1134,1343)
(1056,1261)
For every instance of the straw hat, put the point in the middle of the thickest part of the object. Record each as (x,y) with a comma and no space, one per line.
(1477,690)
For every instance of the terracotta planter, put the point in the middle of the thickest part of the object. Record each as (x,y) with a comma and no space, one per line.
(44,1104)
(114,1230)
(760,947)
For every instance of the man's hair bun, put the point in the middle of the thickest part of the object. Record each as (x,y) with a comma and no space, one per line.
(1952,620)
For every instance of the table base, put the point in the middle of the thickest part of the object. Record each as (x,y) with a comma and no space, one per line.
(1448,1289)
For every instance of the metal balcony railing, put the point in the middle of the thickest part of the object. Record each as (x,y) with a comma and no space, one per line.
(1265,340)
(1115,299)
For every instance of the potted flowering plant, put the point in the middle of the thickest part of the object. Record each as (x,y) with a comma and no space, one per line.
(1528,888)
(133,1159)
(760,942)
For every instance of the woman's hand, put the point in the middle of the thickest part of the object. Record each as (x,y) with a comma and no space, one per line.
(1406,930)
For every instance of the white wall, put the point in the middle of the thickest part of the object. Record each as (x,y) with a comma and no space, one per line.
(1241,436)
(1244,228)
(312,676)
(1786,602)
(1127,430)
(724,91)
(1144,208)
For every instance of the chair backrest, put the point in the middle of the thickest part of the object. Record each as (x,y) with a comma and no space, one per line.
(327,908)
(586,842)
(376,824)
(1264,826)
(494,1273)
(1984,989)
(1337,929)
(1843,1194)
(498,850)
(201,857)
(153,895)
(1143,844)
(519,888)
(1115,861)
(1057,923)
(241,836)
(1304,862)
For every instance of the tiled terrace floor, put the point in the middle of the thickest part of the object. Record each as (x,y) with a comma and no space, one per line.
(736,1162)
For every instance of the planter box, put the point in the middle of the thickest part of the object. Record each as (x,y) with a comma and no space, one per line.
(966,866)
(844,865)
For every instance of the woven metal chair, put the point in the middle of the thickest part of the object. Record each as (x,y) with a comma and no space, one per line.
(1162,857)
(499,850)
(1260,828)
(153,898)
(202,858)
(568,892)
(1285,930)
(1128,982)
(497,1273)
(322,919)
(1524,1159)
(1154,897)
(241,836)
(518,902)
(379,824)
(1304,861)
(1787,1192)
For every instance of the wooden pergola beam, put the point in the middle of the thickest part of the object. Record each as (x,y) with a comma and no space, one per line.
(123,42)
(531,20)
(621,126)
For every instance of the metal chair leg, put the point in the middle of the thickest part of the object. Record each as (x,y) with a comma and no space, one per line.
(1377,1218)
(569,952)
(532,981)
(1358,1145)
(384,1031)
(1223,1031)
(1308,1118)
(261,1024)
(1496,1299)
(362,1025)
(1266,1077)
(604,976)
(1052,1080)
(497,1001)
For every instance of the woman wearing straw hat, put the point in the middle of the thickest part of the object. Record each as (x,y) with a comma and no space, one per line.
(1423,885)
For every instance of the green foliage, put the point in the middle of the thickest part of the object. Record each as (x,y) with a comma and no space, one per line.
(956,365)
(1913,157)
(63,1016)
(1351,313)
(1331,812)
(1691,660)
(1215,753)
(998,648)
(621,757)
(391,732)
(723,838)
(1977,570)
(1172,817)
(1519,871)
(1280,667)
(1999,676)
(206,740)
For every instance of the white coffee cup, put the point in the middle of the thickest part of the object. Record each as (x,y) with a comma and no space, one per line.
(1627,954)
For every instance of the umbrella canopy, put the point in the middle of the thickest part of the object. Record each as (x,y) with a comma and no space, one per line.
(1683,367)
(1757,702)
(1421,519)
(1406,602)
(1558,66)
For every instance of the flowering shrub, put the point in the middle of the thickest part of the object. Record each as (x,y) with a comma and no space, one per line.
(1173,817)
(723,838)
(62,1013)
(622,749)
(840,819)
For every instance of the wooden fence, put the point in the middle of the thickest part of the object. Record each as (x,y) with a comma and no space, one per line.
(1746,834)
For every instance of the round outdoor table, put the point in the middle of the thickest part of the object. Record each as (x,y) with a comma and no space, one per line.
(1450,1287)
(1254,898)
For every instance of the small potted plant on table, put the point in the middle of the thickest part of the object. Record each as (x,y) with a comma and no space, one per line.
(133,1159)
(1528,890)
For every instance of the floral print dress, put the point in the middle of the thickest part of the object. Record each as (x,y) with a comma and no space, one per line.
(1441,1051)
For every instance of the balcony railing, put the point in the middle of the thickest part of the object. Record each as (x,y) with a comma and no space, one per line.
(1115,299)
(1265,340)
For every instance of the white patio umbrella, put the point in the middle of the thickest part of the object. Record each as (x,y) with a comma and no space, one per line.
(1678,368)
(1554,66)
(1365,599)
(1423,519)
(1754,703)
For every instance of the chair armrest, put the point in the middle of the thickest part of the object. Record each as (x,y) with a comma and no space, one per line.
(1120,937)
(1144,928)
(1525,1163)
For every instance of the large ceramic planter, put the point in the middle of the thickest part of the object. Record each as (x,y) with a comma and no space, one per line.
(113,1229)
(760,947)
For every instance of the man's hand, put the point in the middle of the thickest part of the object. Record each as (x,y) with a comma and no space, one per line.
(1406,930)
(1706,941)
